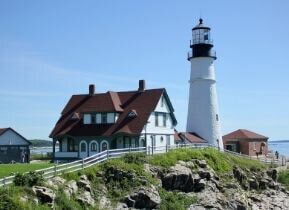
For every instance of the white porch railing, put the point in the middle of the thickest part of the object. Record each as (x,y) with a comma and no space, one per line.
(81,164)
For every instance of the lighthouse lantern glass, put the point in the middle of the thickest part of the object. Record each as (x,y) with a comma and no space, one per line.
(201,36)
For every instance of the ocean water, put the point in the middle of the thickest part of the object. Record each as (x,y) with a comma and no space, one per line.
(281,147)
(41,150)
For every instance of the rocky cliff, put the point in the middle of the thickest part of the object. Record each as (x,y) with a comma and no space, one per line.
(195,180)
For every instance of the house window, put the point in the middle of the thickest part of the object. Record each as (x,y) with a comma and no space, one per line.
(93,119)
(110,117)
(142,143)
(86,119)
(133,142)
(103,118)
(72,146)
(93,147)
(126,142)
(168,140)
(164,119)
(83,147)
(162,139)
(157,119)
(104,146)
(98,118)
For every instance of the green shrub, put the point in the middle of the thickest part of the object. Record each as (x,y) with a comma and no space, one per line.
(30,179)
(284,178)
(174,200)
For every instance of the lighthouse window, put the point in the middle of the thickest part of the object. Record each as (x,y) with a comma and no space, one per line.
(217,117)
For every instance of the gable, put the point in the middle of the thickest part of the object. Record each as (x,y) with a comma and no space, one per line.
(10,137)
(164,105)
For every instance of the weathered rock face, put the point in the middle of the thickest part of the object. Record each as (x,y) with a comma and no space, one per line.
(55,182)
(70,188)
(115,174)
(84,183)
(85,198)
(178,178)
(273,174)
(44,194)
(144,198)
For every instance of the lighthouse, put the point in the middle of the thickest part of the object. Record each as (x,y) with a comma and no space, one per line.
(203,112)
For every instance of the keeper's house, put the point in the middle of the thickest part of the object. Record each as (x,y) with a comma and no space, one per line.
(246,142)
(92,123)
(13,147)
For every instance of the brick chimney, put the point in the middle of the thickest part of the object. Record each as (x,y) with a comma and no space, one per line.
(91,89)
(142,86)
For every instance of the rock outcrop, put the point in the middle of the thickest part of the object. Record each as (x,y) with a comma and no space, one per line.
(144,198)
(44,195)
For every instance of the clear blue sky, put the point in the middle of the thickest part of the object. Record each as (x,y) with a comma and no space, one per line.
(50,50)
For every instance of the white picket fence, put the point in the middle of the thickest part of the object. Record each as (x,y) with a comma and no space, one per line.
(77,165)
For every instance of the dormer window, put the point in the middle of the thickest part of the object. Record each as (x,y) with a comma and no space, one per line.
(86,119)
(100,118)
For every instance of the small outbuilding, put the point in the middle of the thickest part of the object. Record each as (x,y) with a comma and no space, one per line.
(246,142)
(13,147)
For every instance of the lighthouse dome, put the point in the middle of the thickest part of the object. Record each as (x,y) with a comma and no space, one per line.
(200,25)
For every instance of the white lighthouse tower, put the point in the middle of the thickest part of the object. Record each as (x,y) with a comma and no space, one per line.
(203,112)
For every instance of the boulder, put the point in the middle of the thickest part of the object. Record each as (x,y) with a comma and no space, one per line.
(144,198)
(253,184)
(205,174)
(70,188)
(199,185)
(44,194)
(84,183)
(55,182)
(178,178)
(85,198)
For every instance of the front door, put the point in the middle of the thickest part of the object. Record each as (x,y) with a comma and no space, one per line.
(83,152)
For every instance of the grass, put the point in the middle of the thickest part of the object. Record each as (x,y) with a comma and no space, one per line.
(220,162)
(10,169)
(284,178)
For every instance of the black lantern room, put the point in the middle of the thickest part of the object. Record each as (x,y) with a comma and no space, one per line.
(201,43)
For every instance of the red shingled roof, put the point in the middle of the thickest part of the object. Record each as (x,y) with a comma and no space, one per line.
(243,134)
(122,102)
(191,137)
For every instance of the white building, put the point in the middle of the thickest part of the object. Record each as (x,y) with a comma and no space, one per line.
(91,123)
(203,112)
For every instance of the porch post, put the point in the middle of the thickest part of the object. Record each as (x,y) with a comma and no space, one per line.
(53,153)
